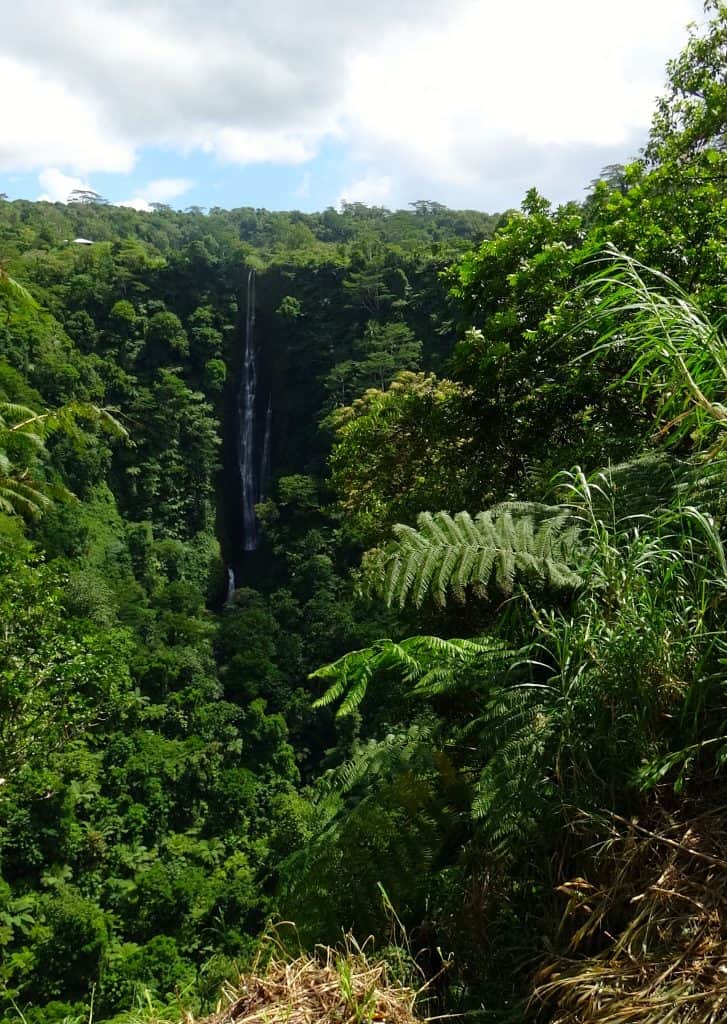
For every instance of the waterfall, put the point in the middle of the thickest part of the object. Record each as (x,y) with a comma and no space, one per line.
(246,410)
(230,585)
(265,458)
(253,460)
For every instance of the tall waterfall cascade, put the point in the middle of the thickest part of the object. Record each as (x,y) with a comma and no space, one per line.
(253,460)
(265,457)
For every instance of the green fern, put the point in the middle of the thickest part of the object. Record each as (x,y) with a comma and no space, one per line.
(620,495)
(400,750)
(12,293)
(449,554)
(513,785)
(386,835)
(429,664)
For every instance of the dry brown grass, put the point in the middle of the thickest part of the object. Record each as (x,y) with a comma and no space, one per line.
(649,941)
(332,987)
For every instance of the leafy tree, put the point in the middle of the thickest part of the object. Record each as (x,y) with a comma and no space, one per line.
(396,449)
(86,197)
(165,333)
(215,372)
(22,444)
(690,119)
(384,351)
(58,676)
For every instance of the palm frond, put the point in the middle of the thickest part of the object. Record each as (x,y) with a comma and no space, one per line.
(23,436)
(12,414)
(69,418)
(20,419)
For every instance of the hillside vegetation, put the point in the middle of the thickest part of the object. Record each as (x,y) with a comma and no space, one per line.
(467,695)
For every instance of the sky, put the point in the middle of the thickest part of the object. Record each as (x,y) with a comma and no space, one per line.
(302,104)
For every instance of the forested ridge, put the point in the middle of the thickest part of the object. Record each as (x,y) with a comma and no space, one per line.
(464,692)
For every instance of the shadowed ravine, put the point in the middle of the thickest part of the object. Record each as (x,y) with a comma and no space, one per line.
(252,432)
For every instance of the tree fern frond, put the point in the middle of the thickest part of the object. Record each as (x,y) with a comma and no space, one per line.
(624,491)
(432,557)
(20,498)
(449,554)
(383,757)
(13,289)
(428,664)
(11,413)
(357,690)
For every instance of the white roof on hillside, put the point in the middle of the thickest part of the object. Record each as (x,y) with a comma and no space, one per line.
(82,241)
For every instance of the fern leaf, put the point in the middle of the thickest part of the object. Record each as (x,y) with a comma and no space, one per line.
(428,664)
(449,554)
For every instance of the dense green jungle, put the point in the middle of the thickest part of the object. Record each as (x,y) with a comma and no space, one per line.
(365,570)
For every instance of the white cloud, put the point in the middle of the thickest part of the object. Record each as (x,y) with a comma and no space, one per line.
(45,122)
(162,189)
(137,203)
(373,189)
(58,186)
(237,146)
(158,191)
(243,83)
(505,88)
(470,98)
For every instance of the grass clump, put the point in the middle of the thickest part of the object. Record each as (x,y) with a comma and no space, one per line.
(331,986)
(648,940)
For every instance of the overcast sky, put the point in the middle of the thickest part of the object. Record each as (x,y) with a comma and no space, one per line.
(301,103)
